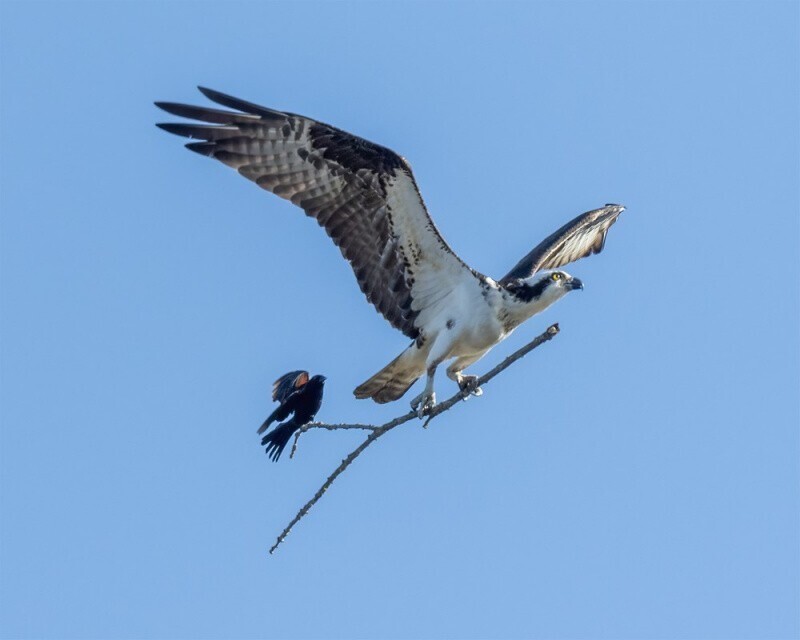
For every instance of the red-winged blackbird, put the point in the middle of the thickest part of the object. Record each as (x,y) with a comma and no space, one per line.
(298,394)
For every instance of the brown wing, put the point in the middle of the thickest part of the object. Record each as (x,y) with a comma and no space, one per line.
(362,194)
(577,239)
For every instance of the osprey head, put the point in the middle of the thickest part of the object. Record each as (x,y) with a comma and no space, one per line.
(545,286)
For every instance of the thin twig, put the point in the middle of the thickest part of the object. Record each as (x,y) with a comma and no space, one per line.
(329,427)
(378,431)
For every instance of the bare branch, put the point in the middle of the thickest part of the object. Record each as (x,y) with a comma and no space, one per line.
(379,430)
(329,427)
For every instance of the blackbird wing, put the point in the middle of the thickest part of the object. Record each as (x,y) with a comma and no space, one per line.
(288,390)
(288,384)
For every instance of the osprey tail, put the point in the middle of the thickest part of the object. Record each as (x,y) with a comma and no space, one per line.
(391,382)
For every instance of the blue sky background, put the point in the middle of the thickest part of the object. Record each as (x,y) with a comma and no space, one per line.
(635,478)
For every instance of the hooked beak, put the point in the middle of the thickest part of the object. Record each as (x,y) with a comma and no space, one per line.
(574,283)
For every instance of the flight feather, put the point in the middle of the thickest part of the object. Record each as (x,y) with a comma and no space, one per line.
(363,195)
(580,237)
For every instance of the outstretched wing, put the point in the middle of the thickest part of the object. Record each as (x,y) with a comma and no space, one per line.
(577,239)
(362,194)
(287,384)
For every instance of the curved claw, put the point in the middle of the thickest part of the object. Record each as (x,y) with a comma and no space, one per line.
(470,385)
(423,403)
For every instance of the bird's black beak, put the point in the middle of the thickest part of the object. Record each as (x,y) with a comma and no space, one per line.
(574,283)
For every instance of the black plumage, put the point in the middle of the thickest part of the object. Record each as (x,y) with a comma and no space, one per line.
(298,395)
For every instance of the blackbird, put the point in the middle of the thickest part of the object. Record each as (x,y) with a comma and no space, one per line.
(299,395)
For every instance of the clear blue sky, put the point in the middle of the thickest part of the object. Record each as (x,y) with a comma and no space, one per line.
(635,478)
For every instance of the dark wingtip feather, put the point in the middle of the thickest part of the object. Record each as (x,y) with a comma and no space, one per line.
(241,105)
(200,131)
(205,114)
(177,108)
(203,148)
(264,427)
(170,127)
(209,93)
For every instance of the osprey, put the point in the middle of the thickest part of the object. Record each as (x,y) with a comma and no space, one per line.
(365,197)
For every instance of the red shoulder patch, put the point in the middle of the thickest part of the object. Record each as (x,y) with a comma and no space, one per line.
(301,380)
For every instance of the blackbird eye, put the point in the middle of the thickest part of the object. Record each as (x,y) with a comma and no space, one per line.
(556,276)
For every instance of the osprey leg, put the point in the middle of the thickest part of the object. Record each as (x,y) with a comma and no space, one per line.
(465,383)
(426,400)
(440,351)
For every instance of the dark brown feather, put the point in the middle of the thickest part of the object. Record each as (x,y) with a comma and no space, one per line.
(337,178)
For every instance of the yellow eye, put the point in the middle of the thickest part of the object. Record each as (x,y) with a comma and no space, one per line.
(556,276)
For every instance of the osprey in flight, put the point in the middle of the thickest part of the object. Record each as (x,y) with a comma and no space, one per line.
(365,197)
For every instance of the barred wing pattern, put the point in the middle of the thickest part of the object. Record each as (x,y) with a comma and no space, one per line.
(577,239)
(363,195)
